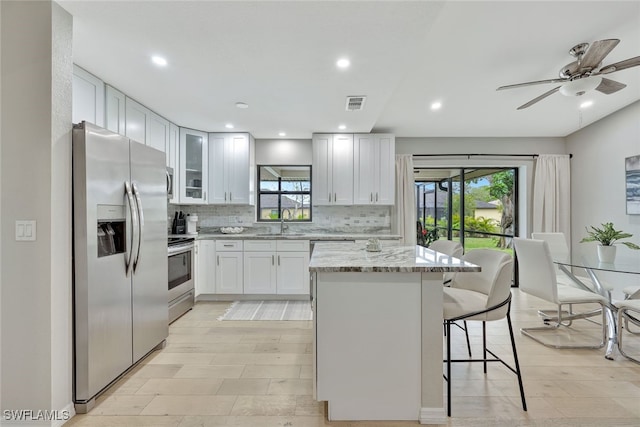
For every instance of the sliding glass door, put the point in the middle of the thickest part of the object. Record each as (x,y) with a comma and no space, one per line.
(476,206)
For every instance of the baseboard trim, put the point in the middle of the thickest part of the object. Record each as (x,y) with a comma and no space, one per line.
(432,416)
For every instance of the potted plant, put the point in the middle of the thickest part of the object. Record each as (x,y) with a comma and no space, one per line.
(607,236)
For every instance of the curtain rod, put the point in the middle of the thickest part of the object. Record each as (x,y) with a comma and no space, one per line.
(480,155)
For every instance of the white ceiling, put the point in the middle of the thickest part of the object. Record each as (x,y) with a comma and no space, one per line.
(279,57)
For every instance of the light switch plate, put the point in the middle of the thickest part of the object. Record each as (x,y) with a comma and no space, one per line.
(25,230)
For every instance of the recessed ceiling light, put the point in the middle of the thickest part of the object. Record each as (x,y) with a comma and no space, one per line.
(586,104)
(436,105)
(342,127)
(343,63)
(242,105)
(159,61)
(282,134)
(229,126)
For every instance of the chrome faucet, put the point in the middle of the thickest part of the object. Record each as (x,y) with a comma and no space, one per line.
(282,226)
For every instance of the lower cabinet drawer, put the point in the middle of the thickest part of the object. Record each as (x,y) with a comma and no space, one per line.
(292,245)
(228,245)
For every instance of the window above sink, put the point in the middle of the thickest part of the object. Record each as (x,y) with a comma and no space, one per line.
(284,193)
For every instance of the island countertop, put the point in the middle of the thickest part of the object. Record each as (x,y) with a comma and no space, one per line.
(332,257)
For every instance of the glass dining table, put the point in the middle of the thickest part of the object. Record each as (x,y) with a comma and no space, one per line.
(587,259)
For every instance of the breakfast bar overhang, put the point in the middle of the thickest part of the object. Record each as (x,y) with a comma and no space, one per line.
(378,331)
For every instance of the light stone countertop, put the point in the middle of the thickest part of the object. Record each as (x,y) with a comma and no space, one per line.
(393,257)
(294,236)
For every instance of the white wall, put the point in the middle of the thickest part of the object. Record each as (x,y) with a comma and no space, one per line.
(598,182)
(35,162)
(283,152)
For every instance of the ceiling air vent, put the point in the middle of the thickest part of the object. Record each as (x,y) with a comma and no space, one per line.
(355,103)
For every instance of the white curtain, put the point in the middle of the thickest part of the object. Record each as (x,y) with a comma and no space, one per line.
(552,194)
(403,213)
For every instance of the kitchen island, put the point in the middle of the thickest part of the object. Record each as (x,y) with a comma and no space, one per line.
(378,331)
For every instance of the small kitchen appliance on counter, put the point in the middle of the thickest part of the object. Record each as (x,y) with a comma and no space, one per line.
(192,223)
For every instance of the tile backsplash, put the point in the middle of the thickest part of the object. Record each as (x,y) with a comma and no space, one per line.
(327,219)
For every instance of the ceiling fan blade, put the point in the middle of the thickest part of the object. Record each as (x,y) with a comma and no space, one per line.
(538,82)
(540,98)
(596,53)
(622,65)
(608,86)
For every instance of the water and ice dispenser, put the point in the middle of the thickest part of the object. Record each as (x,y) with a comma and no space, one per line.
(111,230)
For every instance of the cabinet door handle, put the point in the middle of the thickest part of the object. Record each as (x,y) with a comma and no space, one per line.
(225,196)
(329,197)
(371,197)
(278,259)
(335,197)
(376,197)
(218,259)
(228,245)
(205,196)
(230,196)
(273,259)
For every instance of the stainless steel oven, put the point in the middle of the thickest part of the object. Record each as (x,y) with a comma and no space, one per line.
(181,276)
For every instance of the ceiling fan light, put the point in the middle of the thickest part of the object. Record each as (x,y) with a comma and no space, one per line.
(580,86)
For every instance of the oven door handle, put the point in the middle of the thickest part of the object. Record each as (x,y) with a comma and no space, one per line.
(176,250)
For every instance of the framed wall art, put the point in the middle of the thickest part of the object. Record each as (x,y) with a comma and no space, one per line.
(632,180)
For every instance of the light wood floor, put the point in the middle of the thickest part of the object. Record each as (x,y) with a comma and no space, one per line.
(258,374)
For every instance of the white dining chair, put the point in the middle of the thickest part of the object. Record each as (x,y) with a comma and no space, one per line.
(481,296)
(537,277)
(559,249)
(625,308)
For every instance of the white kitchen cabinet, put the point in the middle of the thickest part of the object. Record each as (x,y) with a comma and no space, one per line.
(158,132)
(229,267)
(172,159)
(276,267)
(88,97)
(137,124)
(205,267)
(332,169)
(192,167)
(374,169)
(232,168)
(292,262)
(115,107)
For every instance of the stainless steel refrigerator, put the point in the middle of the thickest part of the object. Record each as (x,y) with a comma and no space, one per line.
(120,257)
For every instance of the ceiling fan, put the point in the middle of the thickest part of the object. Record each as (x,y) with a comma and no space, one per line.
(585,73)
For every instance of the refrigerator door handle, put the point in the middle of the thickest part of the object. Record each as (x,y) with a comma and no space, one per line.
(134,227)
(136,195)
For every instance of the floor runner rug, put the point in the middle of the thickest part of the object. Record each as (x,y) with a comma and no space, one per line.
(268,310)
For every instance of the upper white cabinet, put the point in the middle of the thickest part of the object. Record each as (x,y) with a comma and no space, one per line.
(332,169)
(145,126)
(231,168)
(192,167)
(137,117)
(115,107)
(374,169)
(88,97)
(158,134)
(172,159)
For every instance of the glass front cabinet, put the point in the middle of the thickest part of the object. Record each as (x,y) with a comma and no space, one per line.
(193,166)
